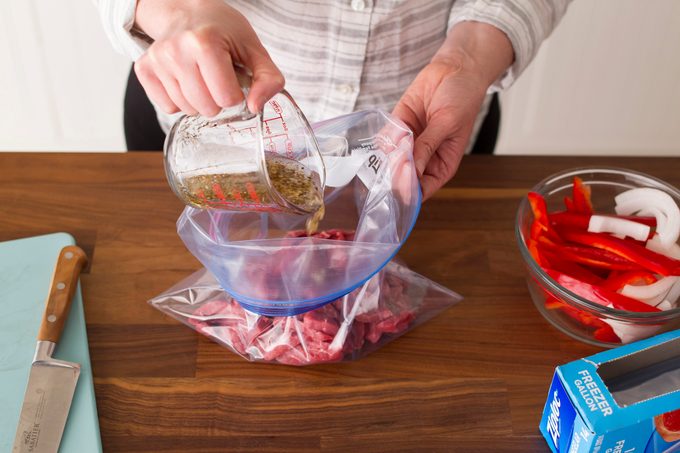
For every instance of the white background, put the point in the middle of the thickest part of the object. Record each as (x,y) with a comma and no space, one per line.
(606,82)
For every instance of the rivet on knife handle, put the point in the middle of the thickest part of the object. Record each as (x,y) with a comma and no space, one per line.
(71,261)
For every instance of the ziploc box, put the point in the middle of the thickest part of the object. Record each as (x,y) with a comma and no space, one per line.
(623,400)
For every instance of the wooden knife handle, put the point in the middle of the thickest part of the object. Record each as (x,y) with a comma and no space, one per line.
(71,261)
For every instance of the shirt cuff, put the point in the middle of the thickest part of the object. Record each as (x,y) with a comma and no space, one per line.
(526,24)
(118,18)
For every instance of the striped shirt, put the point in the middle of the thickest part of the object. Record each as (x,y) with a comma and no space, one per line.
(339,56)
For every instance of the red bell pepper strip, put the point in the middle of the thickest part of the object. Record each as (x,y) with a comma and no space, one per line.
(558,263)
(569,204)
(606,334)
(533,250)
(600,295)
(629,250)
(583,317)
(588,256)
(575,220)
(618,281)
(651,221)
(581,197)
(603,331)
(540,225)
(536,230)
(539,209)
(599,258)
(614,274)
(553,303)
(566,219)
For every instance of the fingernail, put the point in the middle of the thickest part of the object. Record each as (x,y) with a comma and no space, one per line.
(254,107)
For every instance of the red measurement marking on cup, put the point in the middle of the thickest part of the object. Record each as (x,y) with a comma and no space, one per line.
(252,192)
(269,130)
(237,196)
(275,130)
(218,191)
(275,106)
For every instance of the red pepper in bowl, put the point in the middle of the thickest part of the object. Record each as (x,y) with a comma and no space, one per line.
(581,197)
(629,250)
(616,282)
(594,266)
(579,221)
(599,294)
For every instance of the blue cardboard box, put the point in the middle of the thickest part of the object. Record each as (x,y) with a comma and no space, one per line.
(625,400)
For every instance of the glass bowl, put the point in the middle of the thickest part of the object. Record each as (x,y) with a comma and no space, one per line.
(605,184)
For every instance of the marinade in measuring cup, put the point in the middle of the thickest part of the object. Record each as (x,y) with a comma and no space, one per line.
(243,161)
(289,179)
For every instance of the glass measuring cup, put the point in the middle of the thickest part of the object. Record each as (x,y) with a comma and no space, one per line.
(241,161)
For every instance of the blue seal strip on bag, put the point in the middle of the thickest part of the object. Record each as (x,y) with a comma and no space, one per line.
(372,189)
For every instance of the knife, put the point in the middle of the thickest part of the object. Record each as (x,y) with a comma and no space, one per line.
(51,382)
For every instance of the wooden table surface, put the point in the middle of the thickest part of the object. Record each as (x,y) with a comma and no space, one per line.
(473,379)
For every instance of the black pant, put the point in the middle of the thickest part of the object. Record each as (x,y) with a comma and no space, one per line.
(143,133)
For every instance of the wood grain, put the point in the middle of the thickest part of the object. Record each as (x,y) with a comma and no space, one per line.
(472,379)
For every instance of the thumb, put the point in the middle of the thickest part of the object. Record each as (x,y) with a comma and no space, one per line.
(428,142)
(267,79)
(404,112)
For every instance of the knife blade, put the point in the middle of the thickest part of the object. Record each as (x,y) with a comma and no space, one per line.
(51,382)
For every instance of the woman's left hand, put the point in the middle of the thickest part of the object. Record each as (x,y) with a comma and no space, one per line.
(442,103)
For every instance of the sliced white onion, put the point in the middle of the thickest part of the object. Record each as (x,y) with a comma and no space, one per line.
(674,294)
(631,207)
(630,332)
(667,212)
(614,225)
(650,294)
(656,213)
(645,192)
(655,245)
(665,305)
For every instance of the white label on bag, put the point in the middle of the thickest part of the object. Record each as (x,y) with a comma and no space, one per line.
(365,161)
(373,164)
(375,147)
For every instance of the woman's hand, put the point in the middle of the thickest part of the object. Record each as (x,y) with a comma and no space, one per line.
(190,65)
(442,103)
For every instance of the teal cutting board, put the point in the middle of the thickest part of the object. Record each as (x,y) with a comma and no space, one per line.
(26,267)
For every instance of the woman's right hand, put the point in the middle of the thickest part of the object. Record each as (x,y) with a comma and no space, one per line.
(190,65)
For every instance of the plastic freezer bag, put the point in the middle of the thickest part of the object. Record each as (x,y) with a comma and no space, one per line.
(385,307)
(372,190)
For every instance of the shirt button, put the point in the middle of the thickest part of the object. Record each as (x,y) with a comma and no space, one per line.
(346,88)
(358,5)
